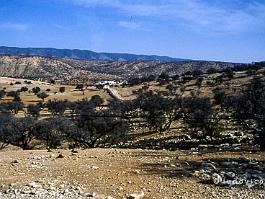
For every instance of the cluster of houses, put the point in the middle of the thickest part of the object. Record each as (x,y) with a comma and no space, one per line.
(111,83)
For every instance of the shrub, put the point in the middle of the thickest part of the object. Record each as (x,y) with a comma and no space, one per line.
(34,110)
(2,94)
(36,90)
(199,116)
(92,131)
(62,89)
(15,106)
(24,89)
(42,95)
(53,131)
(57,107)
(96,100)
(248,109)
(19,132)
(5,136)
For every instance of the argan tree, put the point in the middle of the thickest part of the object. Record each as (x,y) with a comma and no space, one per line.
(200,118)
(249,110)
(42,95)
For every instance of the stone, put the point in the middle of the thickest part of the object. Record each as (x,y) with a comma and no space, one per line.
(239,134)
(226,164)
(94,167)
(244,160)
(208,165)
(16,161)
(60,156)
(34,185)
(137,171)
(217,179)
(136,195)
(205,177)
(230,175)
(225,146)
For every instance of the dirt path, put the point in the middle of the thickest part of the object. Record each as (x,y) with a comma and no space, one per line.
(114,93)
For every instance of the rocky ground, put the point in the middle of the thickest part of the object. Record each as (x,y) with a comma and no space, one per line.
(131,173)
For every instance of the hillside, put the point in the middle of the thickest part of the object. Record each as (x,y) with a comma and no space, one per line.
(83,54)
(36,67)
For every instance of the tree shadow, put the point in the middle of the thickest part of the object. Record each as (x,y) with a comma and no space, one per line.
(183,165)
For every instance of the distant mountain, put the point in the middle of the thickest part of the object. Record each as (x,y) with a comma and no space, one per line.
(83,54)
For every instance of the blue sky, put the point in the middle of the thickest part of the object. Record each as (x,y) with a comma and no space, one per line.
(225,30)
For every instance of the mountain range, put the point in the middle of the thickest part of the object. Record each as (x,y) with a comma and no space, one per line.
(83,54)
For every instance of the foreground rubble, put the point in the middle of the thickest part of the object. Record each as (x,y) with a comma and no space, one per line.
(130,173)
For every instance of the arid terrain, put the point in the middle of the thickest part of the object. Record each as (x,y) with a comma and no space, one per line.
(145,163)
(35,67)
(119,173)
(131,99)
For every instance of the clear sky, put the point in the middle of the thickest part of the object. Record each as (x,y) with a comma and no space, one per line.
(225,30)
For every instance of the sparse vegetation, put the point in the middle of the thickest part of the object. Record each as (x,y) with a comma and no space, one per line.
(185,101)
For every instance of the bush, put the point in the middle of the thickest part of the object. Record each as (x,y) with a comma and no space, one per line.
(34,110)
(212,70)
(53,131)
(17,98)
(93,128)
(24,89)
(36,90)
(80,87)
(96,100)
(219,96)
(200,117)
(12,93)
(5,136)
(15,106)
(62,89)
(19,132)
(92,131)
(229,73)
(57,107)
(42,95)
(158,111)
(2,94)
(52,81)
(248,109)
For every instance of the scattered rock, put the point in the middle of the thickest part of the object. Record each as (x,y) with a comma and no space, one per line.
(16,161)
(60,156)
(94,167)
(217,179)
(136,195)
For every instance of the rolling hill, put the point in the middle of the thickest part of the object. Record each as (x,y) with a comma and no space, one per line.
(36,67)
